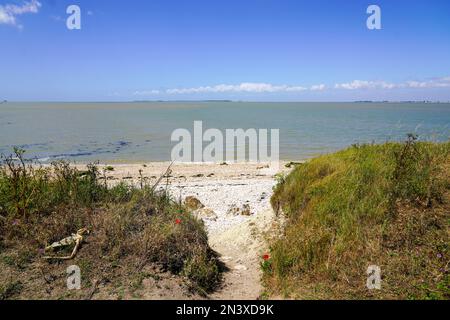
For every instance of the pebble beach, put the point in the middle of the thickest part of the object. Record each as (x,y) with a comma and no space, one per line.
(223,189)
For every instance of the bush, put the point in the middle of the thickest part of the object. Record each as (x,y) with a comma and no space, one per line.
(40,205)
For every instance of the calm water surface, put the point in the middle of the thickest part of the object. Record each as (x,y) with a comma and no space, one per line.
(134,132)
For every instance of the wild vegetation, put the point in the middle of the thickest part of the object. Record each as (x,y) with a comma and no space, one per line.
(386,205)
(134,233)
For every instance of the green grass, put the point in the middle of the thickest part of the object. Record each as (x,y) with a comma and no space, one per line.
(367,205)
(130,227)
(10,289)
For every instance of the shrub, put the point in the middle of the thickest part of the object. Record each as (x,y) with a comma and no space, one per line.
(40,205)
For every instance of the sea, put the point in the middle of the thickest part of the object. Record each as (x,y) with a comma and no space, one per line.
(136,132)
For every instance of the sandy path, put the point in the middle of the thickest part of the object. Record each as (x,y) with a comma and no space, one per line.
(238,239)
(241,248)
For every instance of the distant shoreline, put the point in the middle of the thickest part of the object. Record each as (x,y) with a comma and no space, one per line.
(229,101)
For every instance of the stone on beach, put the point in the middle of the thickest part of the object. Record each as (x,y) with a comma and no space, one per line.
(206,213)
(192,203)
(242,211)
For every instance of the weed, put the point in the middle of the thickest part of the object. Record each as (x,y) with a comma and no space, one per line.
(10,289)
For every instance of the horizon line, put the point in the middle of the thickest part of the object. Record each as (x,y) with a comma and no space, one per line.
(224,101)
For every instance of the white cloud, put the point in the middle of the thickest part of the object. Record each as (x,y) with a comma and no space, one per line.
(360,84)
(146,93)
(433,83)
(319,87)
(9,12)
(245,87)
(258,87)
(6,18)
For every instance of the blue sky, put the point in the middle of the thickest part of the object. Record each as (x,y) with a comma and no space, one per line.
(274,50)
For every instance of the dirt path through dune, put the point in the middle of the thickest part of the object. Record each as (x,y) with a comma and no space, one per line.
(241,248)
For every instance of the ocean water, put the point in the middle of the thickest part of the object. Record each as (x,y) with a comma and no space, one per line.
(137,132)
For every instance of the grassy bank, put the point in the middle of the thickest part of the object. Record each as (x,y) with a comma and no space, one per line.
(134,233)
(386,205)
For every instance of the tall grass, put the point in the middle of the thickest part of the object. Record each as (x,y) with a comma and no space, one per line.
(130,226)
(345,212)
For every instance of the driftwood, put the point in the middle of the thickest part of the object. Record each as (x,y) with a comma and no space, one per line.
(162,177)
(73,239)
